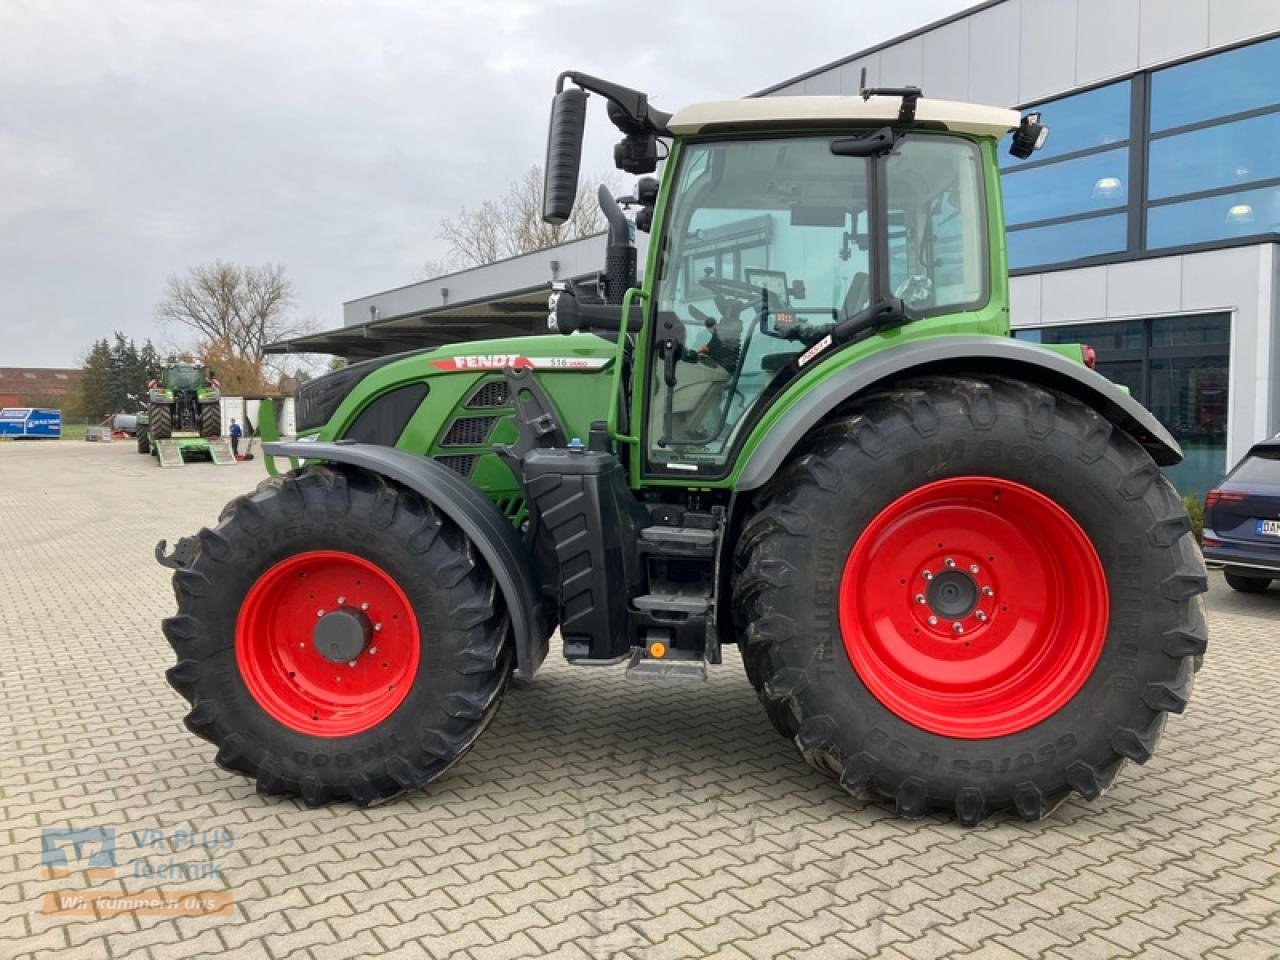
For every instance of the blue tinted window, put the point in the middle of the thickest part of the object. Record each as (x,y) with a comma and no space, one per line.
(1066,241)
(1231,82)
(1218,156)
(1091,119)
(1086,184)
(1239,214)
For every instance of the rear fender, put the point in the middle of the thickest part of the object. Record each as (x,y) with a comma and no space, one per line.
(974,355)
(476,515)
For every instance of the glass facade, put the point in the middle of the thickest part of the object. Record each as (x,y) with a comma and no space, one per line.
(1177,368)
(1184,155)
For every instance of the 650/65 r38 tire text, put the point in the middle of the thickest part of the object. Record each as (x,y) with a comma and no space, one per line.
(337,638)
(970,595)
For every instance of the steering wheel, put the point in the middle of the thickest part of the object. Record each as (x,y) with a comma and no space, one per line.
(738,289)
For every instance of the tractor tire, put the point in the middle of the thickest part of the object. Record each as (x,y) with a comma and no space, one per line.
(160,422)
(144,442)
(970,595)
(1245,583)
(210,420)
(384,699)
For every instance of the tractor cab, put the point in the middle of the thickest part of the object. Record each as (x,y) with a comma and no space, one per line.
(785,230)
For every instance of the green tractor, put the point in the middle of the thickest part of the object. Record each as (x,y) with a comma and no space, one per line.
(182,402)
(948,559)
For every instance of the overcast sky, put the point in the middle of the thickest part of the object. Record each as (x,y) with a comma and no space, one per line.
(138,138)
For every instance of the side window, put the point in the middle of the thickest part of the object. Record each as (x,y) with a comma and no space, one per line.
(937,235)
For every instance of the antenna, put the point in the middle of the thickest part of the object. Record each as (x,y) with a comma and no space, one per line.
(909,95)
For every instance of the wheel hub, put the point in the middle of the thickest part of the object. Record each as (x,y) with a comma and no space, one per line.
(341,635)
(952,595)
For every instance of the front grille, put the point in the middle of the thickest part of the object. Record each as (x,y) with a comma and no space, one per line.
(491,394)
(469,432)
(462,463)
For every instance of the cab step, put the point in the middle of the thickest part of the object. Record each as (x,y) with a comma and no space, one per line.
(678,541)
(685,604)
(671,669)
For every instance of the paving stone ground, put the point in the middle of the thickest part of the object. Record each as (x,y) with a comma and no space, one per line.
(596,818)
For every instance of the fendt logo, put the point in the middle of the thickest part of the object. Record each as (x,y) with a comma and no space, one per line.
(91,850)
(490,361)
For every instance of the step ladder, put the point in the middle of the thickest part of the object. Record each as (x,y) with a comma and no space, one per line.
(220,451)
(169,453)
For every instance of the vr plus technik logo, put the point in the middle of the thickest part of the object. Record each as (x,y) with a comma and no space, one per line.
(88,850)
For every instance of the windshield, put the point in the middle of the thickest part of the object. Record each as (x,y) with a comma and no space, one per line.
(183,378)
(770,243)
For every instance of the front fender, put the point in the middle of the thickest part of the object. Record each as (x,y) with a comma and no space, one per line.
(977,355)
(475,514)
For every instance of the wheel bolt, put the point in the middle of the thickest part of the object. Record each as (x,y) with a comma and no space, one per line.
(919,598)
(988,592)
(982,617)
(341,601)
(319,613)
(950,563)
(973,568)
(351,663)
(957,627)
(933,621)
(365,605)
(928,574)
(377,627)
(372,651)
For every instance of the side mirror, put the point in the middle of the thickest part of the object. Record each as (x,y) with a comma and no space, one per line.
(564,154)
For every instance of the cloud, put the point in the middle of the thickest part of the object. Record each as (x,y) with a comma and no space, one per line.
(139,138)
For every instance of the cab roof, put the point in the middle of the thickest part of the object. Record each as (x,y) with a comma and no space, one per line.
(970,118)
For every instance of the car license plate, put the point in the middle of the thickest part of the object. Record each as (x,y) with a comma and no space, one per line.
(1269,528)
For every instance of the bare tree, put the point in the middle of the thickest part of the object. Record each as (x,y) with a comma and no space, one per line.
(237,309)
(512,224)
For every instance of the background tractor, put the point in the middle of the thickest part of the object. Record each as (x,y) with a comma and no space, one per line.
(182,399)
(955,573)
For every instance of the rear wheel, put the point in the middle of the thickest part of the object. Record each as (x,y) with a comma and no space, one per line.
(1246,583)
(160,422)
(971,595)
(210,420)
(337,639)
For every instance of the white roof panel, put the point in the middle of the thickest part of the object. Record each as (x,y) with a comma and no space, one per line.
(968,118)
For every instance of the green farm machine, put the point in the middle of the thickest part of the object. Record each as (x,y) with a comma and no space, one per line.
(948,559)
(183,417)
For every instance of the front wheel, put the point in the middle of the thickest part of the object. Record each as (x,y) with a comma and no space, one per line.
(144,442)
(971,595)
(337,639)
(210,420)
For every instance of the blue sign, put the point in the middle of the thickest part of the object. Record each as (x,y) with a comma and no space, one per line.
(30,422)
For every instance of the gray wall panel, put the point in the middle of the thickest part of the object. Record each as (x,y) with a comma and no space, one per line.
(994,54)
(946,61)
(1069,296)
(903,64)
(1048,38)
(1106,39)
(1145,286)
(1171,28)
(1231,20)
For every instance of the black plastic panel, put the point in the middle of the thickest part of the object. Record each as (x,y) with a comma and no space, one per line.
(383,421)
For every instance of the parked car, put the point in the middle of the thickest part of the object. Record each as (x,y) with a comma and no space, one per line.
(1242,520)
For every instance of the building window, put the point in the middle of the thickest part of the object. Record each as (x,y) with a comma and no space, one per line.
(1069,200)
(1213,170)
(1175,366)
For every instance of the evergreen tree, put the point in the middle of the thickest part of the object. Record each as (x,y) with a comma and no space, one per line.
(95,388)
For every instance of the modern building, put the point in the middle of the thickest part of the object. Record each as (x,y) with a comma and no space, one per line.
(1147,226)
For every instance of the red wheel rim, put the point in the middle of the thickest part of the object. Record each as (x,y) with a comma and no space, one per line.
(280,658)
(973,607)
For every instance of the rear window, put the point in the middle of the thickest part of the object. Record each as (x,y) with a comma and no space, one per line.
(1261,466)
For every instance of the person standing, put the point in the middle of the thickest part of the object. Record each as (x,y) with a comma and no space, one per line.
(236,433)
